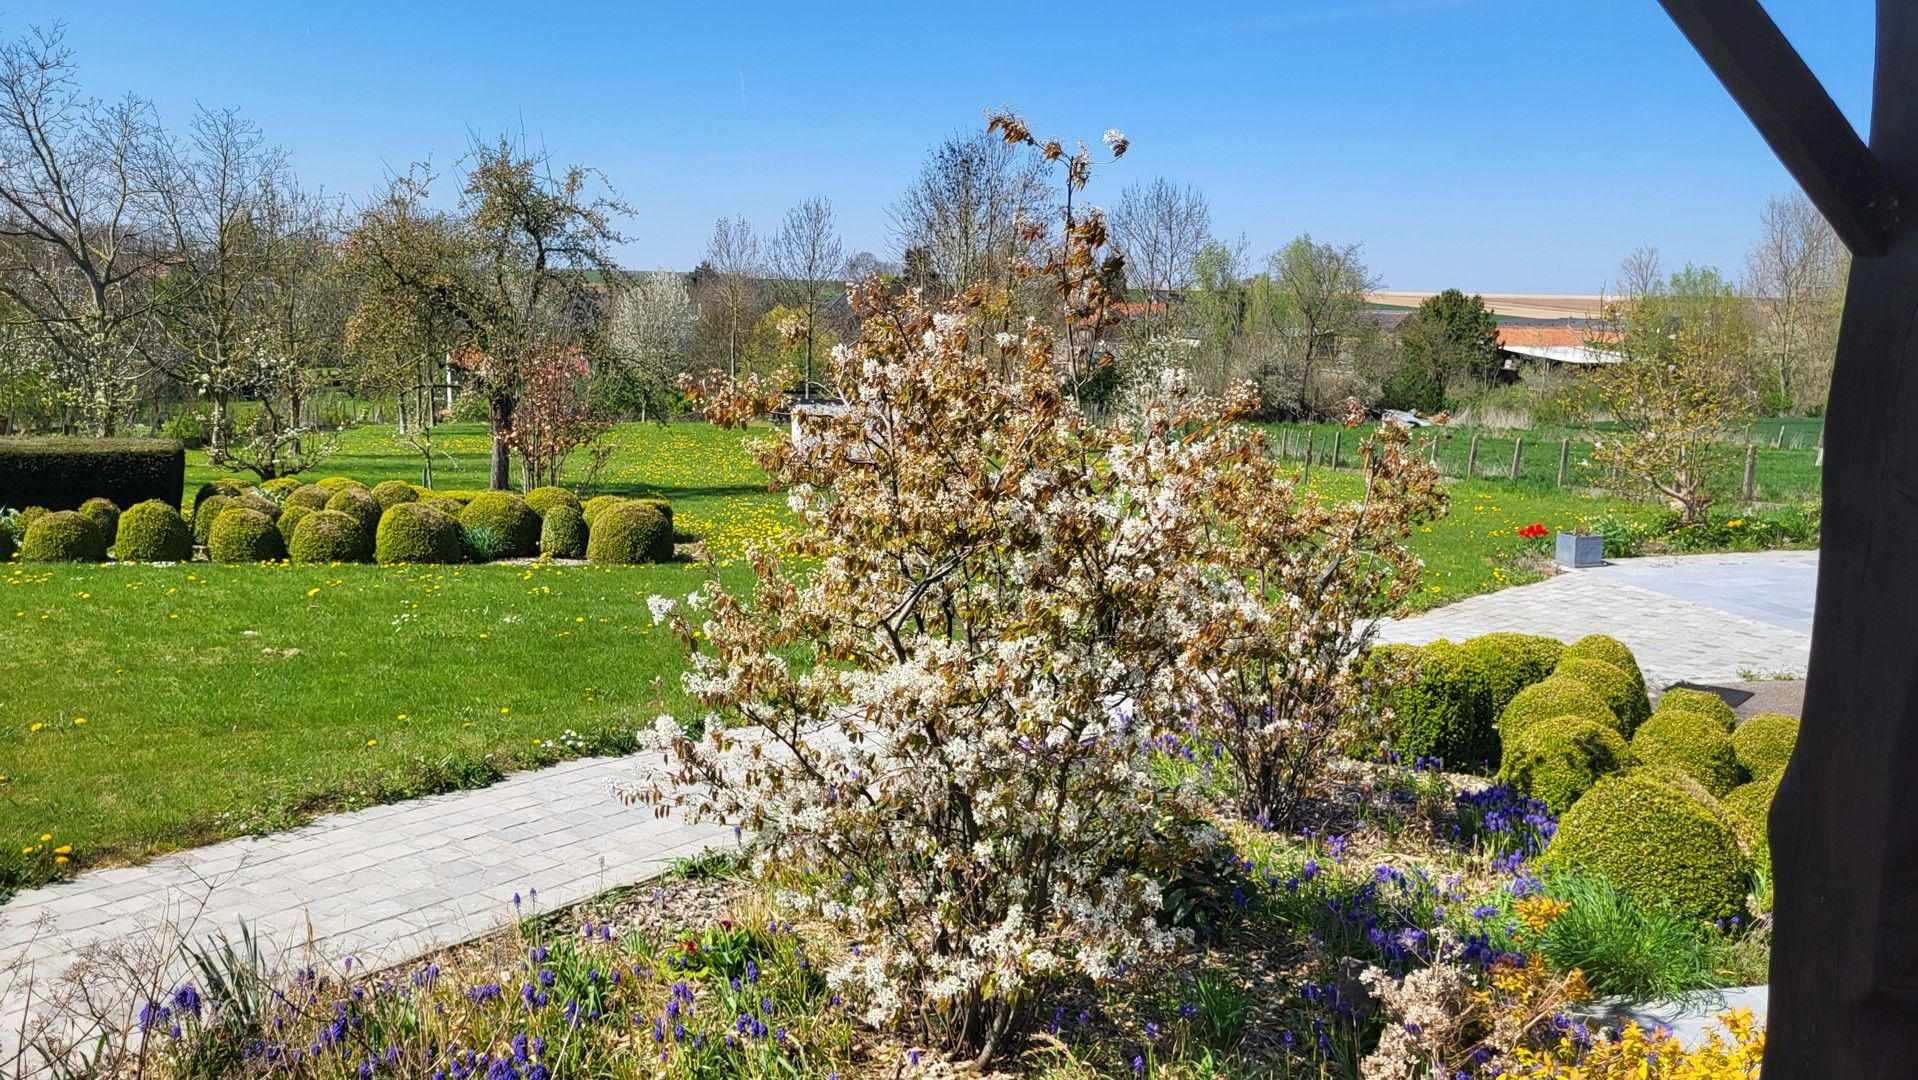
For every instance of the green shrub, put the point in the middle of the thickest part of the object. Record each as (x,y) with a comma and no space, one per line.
(311,496)
(1512,662)
(28,515)
(1556,695)
(508,516)
(241,535)
(1609,649)
(562,533)
(329,536)
(359,504)
(1763,743)
(280,487)
(627,533)
(450,507)
(104,515)
(1750,806)
(412,532)
(230,488)
(391,493)
(1693,743)
(61,472)
(153,531)
(258,501)
(206,512)
(542,499)
(290,520)
(666,511)
(462,495)
(1559,758)
(1623,696)
(481,543)
(1655,843)
(64,536)
(335,483)
(1445,710)
(590,509)
(7,544)
(1703,702)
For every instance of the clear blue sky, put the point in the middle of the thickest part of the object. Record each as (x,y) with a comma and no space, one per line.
(1496,145)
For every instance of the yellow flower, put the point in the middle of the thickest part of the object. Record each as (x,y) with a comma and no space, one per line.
(79,720)
(35,726)
(402,716)
(45,836)
(314,591)
(503,710)
(60,859)
(372,742)
(1538,912)
(63,849)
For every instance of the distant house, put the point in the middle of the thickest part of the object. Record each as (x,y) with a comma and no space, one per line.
(1554,345)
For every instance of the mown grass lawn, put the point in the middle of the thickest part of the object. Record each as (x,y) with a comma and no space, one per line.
(223,700)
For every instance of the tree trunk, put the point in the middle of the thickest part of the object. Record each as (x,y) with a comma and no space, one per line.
(502,417)
(216,440)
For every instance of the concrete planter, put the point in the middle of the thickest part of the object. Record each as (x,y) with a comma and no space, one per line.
(1580,550)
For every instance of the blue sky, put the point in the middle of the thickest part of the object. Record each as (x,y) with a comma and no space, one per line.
(1495,145)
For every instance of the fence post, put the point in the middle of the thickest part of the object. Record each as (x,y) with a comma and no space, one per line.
(1518,451)
(1471,458)
(1779,443)
(1564,458)
(1434,444)
(1337,438)
(1311,436)
(1751,470)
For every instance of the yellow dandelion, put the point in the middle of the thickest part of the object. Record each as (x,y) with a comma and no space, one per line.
(372,742)
(402,717)
(78,720)
(60,859)
(504,709)
(63,849)
(45,836)
(35,726)
(314,591)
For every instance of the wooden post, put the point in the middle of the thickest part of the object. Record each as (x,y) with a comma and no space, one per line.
(1564,459)
(1311,437)
(1471,458)
(1435,442)
(1751,470)
(1337,438)
(1518,451)
(1287,434)
(1779,443)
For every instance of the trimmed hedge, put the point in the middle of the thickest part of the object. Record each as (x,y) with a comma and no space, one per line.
(231,488)
(329,536)
(412,532)
(335,483)
(510,519)
(1558,759)
(280,487)
(205,512)
(1557,695)
(290,519)
(542,499)
(1763,744)
(1693,743)
(1655,843)
(257,500)
(1512,662)
(627,533)
(1445,710)
(391,493)
(311,496)
(153,531)
(590,509)
(103,514)
(1703,702)
(243,535)
(450,507)
(1609,681)
(562,533)
(6,545)
(64,536)
(60,472)
(1609,649)
(1750,806)
(359,504)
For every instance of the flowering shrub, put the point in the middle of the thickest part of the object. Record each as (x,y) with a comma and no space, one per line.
(1735,1053)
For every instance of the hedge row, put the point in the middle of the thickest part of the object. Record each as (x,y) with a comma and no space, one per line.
(62,473)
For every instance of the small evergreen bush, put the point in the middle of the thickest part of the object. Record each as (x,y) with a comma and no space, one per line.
(1558,759)
(104,515)
(1557,695)
(290,519)
(242,535)
(64,536)
(391,493)
(1703,702)
(450,507)
(1609,649)
(542,499)
(230,488)
(1763,743)
(153,531)
(1512,662)
(590,509)
(1693,743)
(280,487)
(335,483)
(508,516)
(1750,805)
(259,501)
(626,533)
(1655,843)
(311,496)
(1445,710)
(359,504)
(412,532)
(562,533)
(329,536)
(206,512)
(1623,696)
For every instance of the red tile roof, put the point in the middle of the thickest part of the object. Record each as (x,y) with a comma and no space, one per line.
(1548,336)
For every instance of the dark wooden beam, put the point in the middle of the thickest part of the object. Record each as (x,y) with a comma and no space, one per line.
(1791,109)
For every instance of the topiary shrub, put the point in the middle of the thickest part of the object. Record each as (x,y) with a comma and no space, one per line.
(1512,662)
(508,516)
(663,549)
(562,533)
(1763,744)
(590,509)
(412,532)
(63,536)
(230,488)
(1445,709)
(258,501)
(104,515)
(1703,702)
(1750,807)
(1614,684)
(60,471)
(153,531)
(335,483)
(391,493)
(1559,758)
(290,519)
(626,533)
(206,512)
(330,536)
(280,487)
(1609,649)
(1556,695)
(241,535)
(28,515)
(1692,743)
(359,504)
(450,507)
(1654,843)
(311,496)
(542,499)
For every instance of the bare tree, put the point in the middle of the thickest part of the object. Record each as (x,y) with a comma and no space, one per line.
(1640,273)
(1160,228)
(959,221)
(729,293)
(806,254)
(650,331)
(1796,274)
(78,228)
